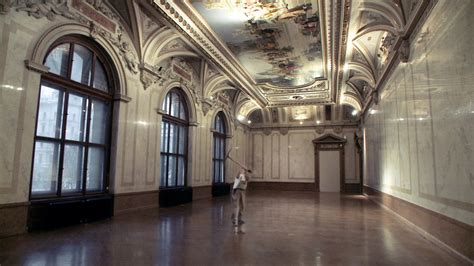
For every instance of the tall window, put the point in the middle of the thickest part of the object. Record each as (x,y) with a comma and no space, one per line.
(219,148)
(71,148)
(174,138)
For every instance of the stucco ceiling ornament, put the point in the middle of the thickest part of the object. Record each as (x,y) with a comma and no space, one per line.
(404,51)
(149,75)
(46,8)
(267,131)
(320,130)
(124,47)
(284,130)
(337,130)
(4,6)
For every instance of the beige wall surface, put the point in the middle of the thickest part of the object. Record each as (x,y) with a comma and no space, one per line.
(136,136)
(289,157)
(419,142)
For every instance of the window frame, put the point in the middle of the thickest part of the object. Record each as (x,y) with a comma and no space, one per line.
(219,136)
(68,86)
(180,123)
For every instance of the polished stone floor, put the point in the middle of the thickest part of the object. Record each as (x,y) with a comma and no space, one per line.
(282,228)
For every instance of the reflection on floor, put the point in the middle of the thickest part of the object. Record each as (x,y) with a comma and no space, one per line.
(282,228)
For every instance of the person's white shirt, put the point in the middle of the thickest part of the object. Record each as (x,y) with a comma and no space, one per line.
(238,179)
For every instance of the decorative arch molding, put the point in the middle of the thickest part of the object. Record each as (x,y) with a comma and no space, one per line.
(163,57)
(374,26)
(41,46)
(363,70)
(356,77)
(389,11)
(189,100)
(368,57)
(210,87)
(228,123)
(246,108)
(156,42)
(352,99)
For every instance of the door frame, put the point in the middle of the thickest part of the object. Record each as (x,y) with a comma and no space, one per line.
(329,142)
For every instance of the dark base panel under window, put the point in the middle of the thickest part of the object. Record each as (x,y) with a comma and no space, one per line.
(220,189)
(175,196)
(50,214)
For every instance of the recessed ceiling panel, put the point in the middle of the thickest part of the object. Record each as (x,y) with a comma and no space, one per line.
(278,42)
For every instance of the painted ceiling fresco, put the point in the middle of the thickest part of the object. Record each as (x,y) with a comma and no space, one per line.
(278,42)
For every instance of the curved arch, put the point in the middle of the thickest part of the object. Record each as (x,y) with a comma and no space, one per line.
(354,90)
(369,59)
(163,57)
(40,49)
(157,41)
(246,107)
(189,100)
(364,70)
(361,77)
(388,11)
(228,128)
(374,26)
(211,84)
(352,100)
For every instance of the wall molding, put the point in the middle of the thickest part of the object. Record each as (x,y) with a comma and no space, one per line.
(282,186)
(13,219)
(451,235)
(133,201)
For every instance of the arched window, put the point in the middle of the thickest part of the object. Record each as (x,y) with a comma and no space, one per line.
(73,122)
(174,140)
(218,158)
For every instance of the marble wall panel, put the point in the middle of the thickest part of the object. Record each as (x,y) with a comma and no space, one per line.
(301,155)
(419,143)
(290,157)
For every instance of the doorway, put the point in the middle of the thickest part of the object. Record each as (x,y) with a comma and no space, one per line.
(329,163)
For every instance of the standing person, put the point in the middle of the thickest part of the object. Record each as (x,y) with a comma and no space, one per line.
(238,195)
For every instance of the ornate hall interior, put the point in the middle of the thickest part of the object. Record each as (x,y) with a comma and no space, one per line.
(124,125)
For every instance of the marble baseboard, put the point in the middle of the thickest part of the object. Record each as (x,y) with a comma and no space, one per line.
(456,235)
(13,219)
(127,202)
(282,186)
(203,192)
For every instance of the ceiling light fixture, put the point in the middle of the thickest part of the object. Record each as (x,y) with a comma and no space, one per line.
(250,122)
(355,112)
(240,117)
(318,122)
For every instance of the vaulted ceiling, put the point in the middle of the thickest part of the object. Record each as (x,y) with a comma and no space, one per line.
(281,53)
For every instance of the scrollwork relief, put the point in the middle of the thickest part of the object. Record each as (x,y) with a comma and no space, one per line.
(46,8)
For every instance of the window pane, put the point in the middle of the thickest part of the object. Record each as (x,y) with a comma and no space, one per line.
(45,167)
(173,138)
(99,122)
(215,171)
(100,78)
(50,112)
(222,150)
(95,169)
(166,103)
(164,136)
(72,168)
(172,171)
(221,171)
(181,170)
(57,60)
(81,65)
(163,171)
(174,105)
(182,139)
(182,111)
(76,117)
